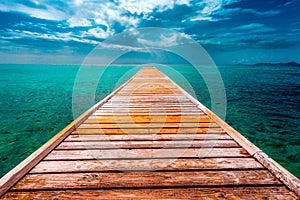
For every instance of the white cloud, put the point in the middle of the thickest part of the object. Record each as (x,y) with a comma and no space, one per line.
(98,33)
(164,40)
(76,22)
(78,13)
(201,18)
(147,6)
(108,13)
(146,42)
(49,13)
(211,7)
(54,36)
(123,47)
(105,13)
(36,2)
(78,2)
(121,14)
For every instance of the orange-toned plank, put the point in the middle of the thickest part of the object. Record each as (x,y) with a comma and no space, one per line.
(150,125)
(147,144)
(140,130)
(146,179)
(145,153)
(148,119)
(147,137)
(230,193)
(146,164)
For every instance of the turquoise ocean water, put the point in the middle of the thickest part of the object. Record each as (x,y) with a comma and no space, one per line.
(262,103)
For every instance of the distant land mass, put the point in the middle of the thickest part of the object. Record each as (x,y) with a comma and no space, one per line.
(273,64)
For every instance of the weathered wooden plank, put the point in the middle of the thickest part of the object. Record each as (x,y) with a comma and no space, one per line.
(149,90)
(128,113)
(158,111)
(148,118)
(197,130)
(149,93)
(147,144)
(150,101)
(146,153)
(147,137)
(146,179)
(152,110)
(125,125)
(281,173)
(149,105)
(172,98)
(145,80)
(230,193)
(178,98)
(146,164)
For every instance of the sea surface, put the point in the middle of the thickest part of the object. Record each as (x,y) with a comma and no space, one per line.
(263,103)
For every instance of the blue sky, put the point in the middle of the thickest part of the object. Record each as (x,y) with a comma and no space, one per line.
(232,31)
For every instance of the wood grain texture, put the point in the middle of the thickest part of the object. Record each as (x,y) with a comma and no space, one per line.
(146,164)
(147,144)
(146,179)
(140,130)
(146,153)
(281,173)
(147,137)
(149,118)
(219,193)
(160,125)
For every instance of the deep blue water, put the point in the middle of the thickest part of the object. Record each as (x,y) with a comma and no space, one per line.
(262,103)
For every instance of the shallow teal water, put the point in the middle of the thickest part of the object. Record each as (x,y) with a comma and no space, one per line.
(263,104)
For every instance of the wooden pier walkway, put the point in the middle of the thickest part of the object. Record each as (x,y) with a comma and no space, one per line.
(149,139)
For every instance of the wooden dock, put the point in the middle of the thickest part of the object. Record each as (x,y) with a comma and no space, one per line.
(149,139)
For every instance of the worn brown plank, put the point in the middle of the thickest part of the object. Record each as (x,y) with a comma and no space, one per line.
(160,125)
(153,108)
(230,193)
(281,173)
(147,131)
(143,93)
(149,105)
(148,137)
(145,179)
(145,153)
(125,112)
(147,144)
(149,92)
(176,98)
(146,164)
(148,118)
